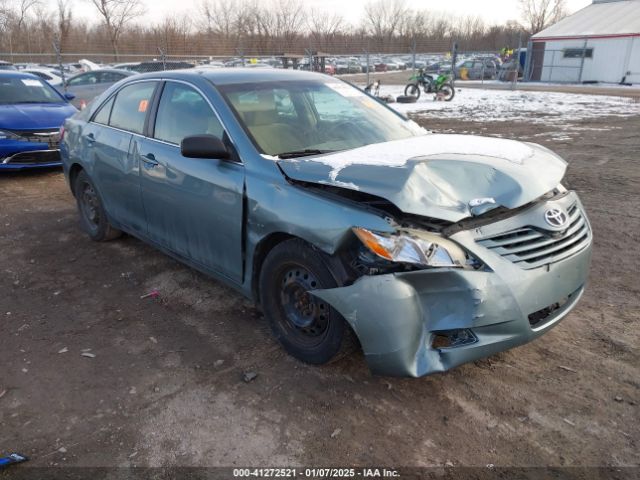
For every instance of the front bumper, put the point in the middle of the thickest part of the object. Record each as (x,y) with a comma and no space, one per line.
(42,152)
(397,316)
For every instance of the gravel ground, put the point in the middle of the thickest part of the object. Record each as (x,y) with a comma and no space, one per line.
(162,384)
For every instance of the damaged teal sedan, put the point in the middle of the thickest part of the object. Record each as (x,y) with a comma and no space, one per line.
(337,215)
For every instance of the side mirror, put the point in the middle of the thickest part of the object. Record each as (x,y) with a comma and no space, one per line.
(69,96)
(204,146)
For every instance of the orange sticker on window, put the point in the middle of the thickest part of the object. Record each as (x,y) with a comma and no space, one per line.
(142,106)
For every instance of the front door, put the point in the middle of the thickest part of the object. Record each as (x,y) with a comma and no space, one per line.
(193,205)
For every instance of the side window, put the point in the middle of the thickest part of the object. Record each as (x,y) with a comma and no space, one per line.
(84,79)
(183,112)
(131,105)
(110,77)
(104,113)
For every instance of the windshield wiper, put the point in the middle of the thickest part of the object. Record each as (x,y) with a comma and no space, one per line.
(303,153)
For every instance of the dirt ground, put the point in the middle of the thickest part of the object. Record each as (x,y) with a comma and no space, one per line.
(166,387)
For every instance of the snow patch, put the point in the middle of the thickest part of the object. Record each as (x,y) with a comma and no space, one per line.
(548,108)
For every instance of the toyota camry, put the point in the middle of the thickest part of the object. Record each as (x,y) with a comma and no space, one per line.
(339,217)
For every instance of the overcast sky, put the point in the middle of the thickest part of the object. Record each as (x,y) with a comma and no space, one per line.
(493,11)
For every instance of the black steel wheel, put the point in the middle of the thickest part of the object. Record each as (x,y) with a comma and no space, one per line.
(412,90)
(93,217)
(307,327)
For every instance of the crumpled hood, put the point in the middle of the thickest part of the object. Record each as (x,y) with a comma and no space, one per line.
(34,116)
(438,175)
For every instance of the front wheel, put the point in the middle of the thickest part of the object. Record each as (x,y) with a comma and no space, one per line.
(448,92)
(308,328)
(412,90)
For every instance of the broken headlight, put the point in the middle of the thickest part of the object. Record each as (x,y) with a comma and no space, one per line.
(414,247)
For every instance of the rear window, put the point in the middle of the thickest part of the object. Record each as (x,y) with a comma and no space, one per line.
(131,106)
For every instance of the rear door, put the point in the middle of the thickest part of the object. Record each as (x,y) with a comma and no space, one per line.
(193,205)
(116,167)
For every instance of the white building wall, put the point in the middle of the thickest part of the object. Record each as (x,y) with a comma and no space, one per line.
(612,57)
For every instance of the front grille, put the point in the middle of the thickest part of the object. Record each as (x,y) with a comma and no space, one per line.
(49,137)
(529,248)
(33,157)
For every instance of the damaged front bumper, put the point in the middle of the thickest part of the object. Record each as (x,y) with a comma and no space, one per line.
(399,317)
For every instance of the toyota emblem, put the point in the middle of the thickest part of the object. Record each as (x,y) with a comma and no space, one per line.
(556,217)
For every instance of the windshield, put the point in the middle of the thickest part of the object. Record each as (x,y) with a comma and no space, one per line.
(27,90)
(296,118)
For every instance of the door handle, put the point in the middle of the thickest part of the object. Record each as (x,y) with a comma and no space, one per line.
(150,159)
(91,139)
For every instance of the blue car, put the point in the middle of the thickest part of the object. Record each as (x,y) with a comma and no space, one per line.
(31,114)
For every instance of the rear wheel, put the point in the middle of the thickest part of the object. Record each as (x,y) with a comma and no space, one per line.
(308,328)
(412,90)
(93,218)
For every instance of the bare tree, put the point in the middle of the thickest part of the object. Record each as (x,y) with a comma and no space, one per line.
(323,26)
(25,7)
(116,14)
(539,14)
(65,18)
(219,16)
(384,17)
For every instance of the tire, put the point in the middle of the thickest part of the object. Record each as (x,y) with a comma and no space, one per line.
(412,90)
(449,92)
(93,218)
(308,328)
(406,99)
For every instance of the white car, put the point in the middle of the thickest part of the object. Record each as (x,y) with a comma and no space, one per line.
(52,77)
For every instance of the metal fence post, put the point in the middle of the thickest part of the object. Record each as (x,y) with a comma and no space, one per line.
(454,59)
(413,55)
(367,60)
(528,62)
(584,52)
(56,48)
(516,63)
(163,58)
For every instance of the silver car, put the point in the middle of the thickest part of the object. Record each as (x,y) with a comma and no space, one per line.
(88,85)
(334,213)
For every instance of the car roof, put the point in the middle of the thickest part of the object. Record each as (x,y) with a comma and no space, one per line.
(113,70)
(16,74)
(225,76)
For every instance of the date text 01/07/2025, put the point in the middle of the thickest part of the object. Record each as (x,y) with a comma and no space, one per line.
(315,473)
